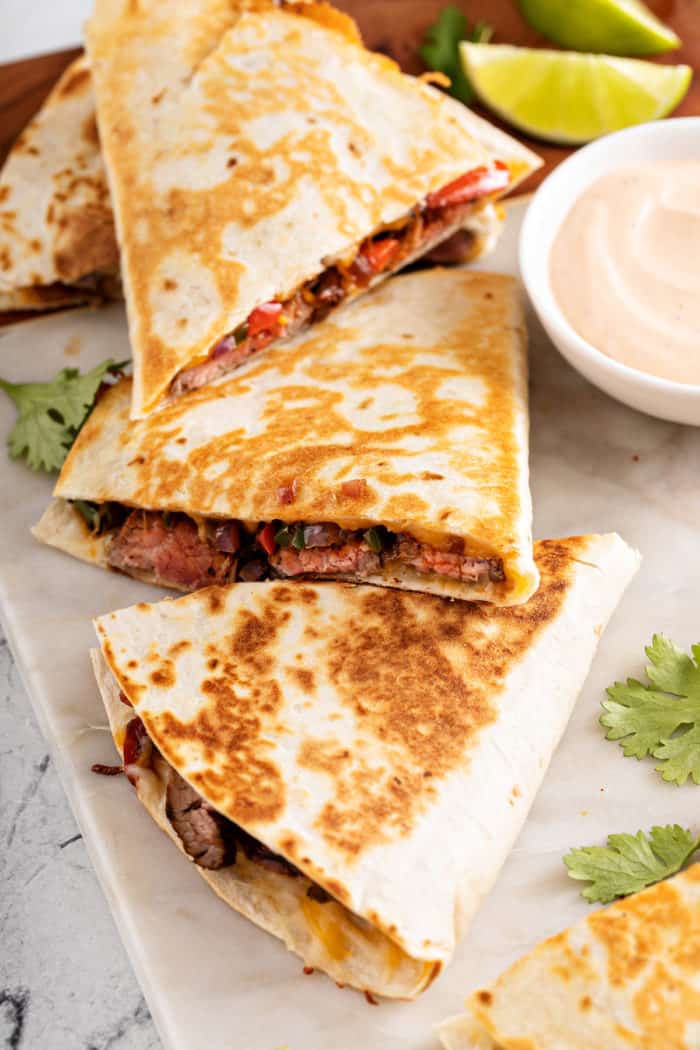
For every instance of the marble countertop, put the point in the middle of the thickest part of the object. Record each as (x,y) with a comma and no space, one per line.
(65,981)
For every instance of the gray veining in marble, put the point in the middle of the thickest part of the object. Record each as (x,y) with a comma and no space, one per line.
(65,982)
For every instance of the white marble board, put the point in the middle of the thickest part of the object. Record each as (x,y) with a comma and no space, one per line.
(213,981)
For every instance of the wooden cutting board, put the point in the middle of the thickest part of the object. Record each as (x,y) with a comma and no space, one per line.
(395,27)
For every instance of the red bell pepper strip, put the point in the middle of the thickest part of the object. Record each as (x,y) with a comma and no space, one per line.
(266,538)
(264,318)
(476,183)
(380,253)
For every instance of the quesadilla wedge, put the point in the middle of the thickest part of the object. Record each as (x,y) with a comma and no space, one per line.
(58,245)
(624,978)
(265,167)
(57,241)
(349,766)
(386,444)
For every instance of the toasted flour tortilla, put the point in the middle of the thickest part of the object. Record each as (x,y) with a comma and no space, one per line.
(248,148)
(58,245)
(389,745)
(624,978)
(56,223)
(406,409)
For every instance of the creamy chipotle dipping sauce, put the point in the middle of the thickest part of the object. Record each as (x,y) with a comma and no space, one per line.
(625,268)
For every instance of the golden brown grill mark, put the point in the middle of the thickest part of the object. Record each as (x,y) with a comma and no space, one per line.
(406,507)
(215,600)
(424,733)
(86,240)
(241,697)
(178,648)
(406,718)
(666,1009)
(338,890)
(634,932)
(250,189)
(250,469)
(90,133)
(76,83)
(164,677)
(304,678)
(325,756)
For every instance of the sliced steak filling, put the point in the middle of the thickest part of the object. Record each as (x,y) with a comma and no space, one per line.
(210,839)
(200,828)
(169,549)
(467,568)
(439,216)
(175,551)
(353,558)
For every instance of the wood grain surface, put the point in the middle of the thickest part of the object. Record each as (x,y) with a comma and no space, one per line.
(23,87)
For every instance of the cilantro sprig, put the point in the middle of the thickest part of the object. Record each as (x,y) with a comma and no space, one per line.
(630,863)
(661,718)
(440,49)
(49,415)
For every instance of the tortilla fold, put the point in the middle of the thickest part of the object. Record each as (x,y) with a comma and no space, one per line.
(407,410)
(624,978)
(57,239)
(387,744)
(253,148)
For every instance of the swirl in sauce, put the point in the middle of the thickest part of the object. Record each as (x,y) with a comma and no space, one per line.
(625,268)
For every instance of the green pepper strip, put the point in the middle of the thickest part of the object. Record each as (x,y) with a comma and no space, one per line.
(282,537)
(373,540)
(298,538)
(89,512)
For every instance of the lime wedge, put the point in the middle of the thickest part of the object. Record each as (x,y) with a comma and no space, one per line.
(563,96)
(615,27)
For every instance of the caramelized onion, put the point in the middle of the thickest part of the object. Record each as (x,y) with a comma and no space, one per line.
(252,571)
(227,537)
(226,344)
(321,535)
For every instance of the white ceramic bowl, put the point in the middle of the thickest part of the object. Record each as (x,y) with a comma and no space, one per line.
(672,140)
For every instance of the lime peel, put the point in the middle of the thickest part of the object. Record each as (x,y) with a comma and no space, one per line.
(568,97)
(613,27)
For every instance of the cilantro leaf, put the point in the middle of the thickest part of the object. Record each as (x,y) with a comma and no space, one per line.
(49,415)
(440,49)
(661,719)
(629,863)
